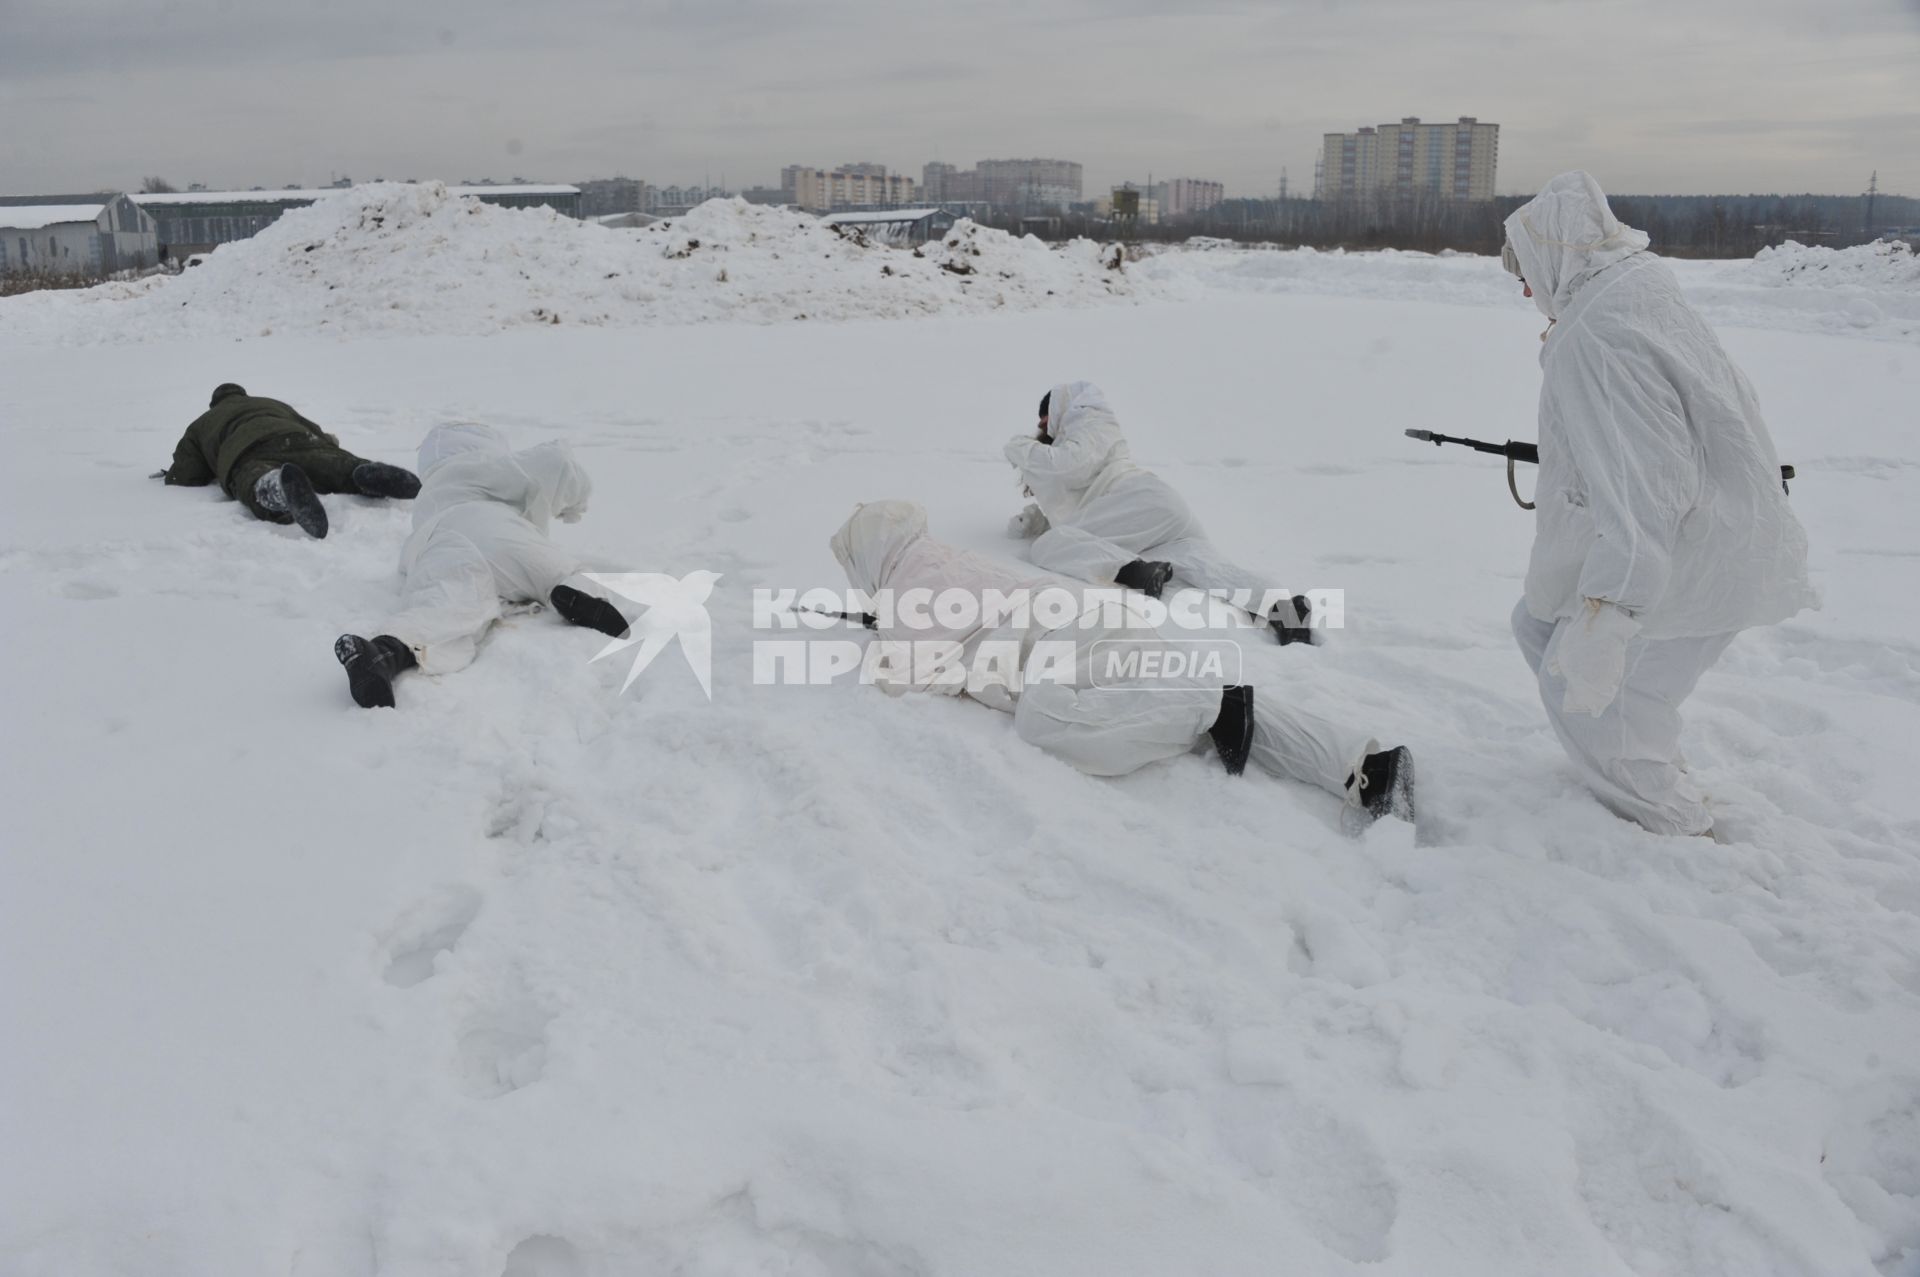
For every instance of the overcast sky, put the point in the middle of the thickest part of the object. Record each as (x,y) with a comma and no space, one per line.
(1683,96)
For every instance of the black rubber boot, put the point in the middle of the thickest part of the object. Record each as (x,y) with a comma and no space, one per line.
(1292,622)
(1386,784)
(372,665)
(577,607)
(1232,732)
(1147,576)
(378,479)
(288,491)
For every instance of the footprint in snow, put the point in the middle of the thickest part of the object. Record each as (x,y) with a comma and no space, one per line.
(1327,1171)
(504,1050)
(427,931)
(544,1255)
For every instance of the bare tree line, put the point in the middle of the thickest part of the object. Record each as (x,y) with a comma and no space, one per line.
(1679,225)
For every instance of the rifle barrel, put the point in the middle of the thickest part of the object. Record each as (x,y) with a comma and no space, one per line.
(1515,450)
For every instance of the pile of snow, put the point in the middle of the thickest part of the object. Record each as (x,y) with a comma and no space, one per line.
(1885,266)
(1873,288)
(391,258)
(395,258)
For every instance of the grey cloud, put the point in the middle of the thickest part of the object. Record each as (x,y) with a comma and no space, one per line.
(1715,93)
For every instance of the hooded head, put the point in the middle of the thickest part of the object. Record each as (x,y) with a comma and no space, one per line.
(559,486)
(556,486)
(1074,403)
(1566,235)
(225,390)
(457,439)
(870,544)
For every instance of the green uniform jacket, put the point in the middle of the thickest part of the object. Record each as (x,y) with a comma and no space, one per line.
(219,436)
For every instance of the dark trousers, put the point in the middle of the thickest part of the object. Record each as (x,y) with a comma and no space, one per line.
(328,465)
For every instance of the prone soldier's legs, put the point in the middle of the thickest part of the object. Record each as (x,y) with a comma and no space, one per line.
(244,485)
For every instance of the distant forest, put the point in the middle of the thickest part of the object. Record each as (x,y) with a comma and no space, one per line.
(1679,225)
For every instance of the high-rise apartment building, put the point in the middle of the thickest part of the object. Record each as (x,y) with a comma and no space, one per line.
(1186,196)
(849,186)
(1029,183)
(942,182)
(1021,184)
(1453,161)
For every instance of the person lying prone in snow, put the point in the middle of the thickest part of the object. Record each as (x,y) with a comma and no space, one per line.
(479,542)
(1099,517)
(1102,726)
(275,462)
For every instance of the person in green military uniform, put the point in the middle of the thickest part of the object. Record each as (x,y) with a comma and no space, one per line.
(275,462)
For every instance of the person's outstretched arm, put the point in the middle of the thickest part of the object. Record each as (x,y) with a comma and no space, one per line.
(189,468)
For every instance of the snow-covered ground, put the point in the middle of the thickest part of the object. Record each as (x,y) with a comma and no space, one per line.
(528,976)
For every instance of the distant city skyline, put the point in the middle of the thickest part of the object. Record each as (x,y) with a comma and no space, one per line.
(1680,96)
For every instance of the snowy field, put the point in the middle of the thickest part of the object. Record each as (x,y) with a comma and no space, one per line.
(530,977)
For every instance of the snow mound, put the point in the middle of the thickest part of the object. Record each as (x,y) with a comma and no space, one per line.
(1886,266)
(393,258)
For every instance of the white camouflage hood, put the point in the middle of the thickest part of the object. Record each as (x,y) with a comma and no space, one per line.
(1566,235)
(872,542)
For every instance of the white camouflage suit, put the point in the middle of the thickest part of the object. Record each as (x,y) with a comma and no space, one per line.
(480,539)
(1661,529)
(1101,730)
(1095,511)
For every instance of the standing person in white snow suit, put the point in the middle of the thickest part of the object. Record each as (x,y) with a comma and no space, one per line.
(274,461)
(1662,530)
(1099,517)
(479,542)
(1110,729)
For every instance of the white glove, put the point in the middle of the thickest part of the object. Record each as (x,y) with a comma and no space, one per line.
(1592,656)
(1030,522)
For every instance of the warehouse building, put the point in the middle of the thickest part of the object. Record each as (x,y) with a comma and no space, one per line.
(900,227)
(76,236)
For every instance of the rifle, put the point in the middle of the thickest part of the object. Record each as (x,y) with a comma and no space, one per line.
(1528,453)
(867,619)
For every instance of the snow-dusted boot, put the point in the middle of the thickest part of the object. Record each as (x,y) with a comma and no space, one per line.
(1147,576)
(577,607)
(1292,621)
(1232,732)
(378,479)
(372,665)
(288,491)
(1383,786)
